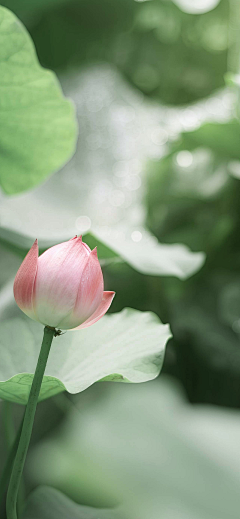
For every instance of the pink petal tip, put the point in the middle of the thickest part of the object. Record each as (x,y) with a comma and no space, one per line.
(100,312)
(25,279)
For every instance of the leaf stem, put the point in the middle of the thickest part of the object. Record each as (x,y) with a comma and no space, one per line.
(28,424)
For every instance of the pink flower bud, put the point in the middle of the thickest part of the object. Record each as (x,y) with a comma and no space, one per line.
(62,288)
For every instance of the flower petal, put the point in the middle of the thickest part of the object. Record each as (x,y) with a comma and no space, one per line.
(57,281)
(23,287)
(89,295)
(100,312)
(90,290)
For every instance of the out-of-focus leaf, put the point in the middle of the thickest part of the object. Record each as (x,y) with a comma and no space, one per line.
(234,168)
(196,6)
(173,55)
(34,8)
(48,503)
(168,54)
(124,347)
(163,457)
(191,189)
(193,197)
(229,305)
(148,256)
(222,138)
(38,127)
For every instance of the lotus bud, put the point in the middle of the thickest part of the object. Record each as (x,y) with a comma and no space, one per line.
(62,288)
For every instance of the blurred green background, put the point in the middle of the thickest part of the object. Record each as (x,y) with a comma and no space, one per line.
(156,88)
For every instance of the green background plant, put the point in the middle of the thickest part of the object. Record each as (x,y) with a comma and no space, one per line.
(155,184)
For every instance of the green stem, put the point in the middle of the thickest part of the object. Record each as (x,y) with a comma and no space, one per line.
(28,424)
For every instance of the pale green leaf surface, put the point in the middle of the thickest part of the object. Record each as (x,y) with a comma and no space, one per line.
(151,257)
(48,503)
(146,446)
(127,347)
(38,127)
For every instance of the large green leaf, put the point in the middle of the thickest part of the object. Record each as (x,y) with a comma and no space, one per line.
(38,127)
(124,347)
(159,455)
(48,503)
